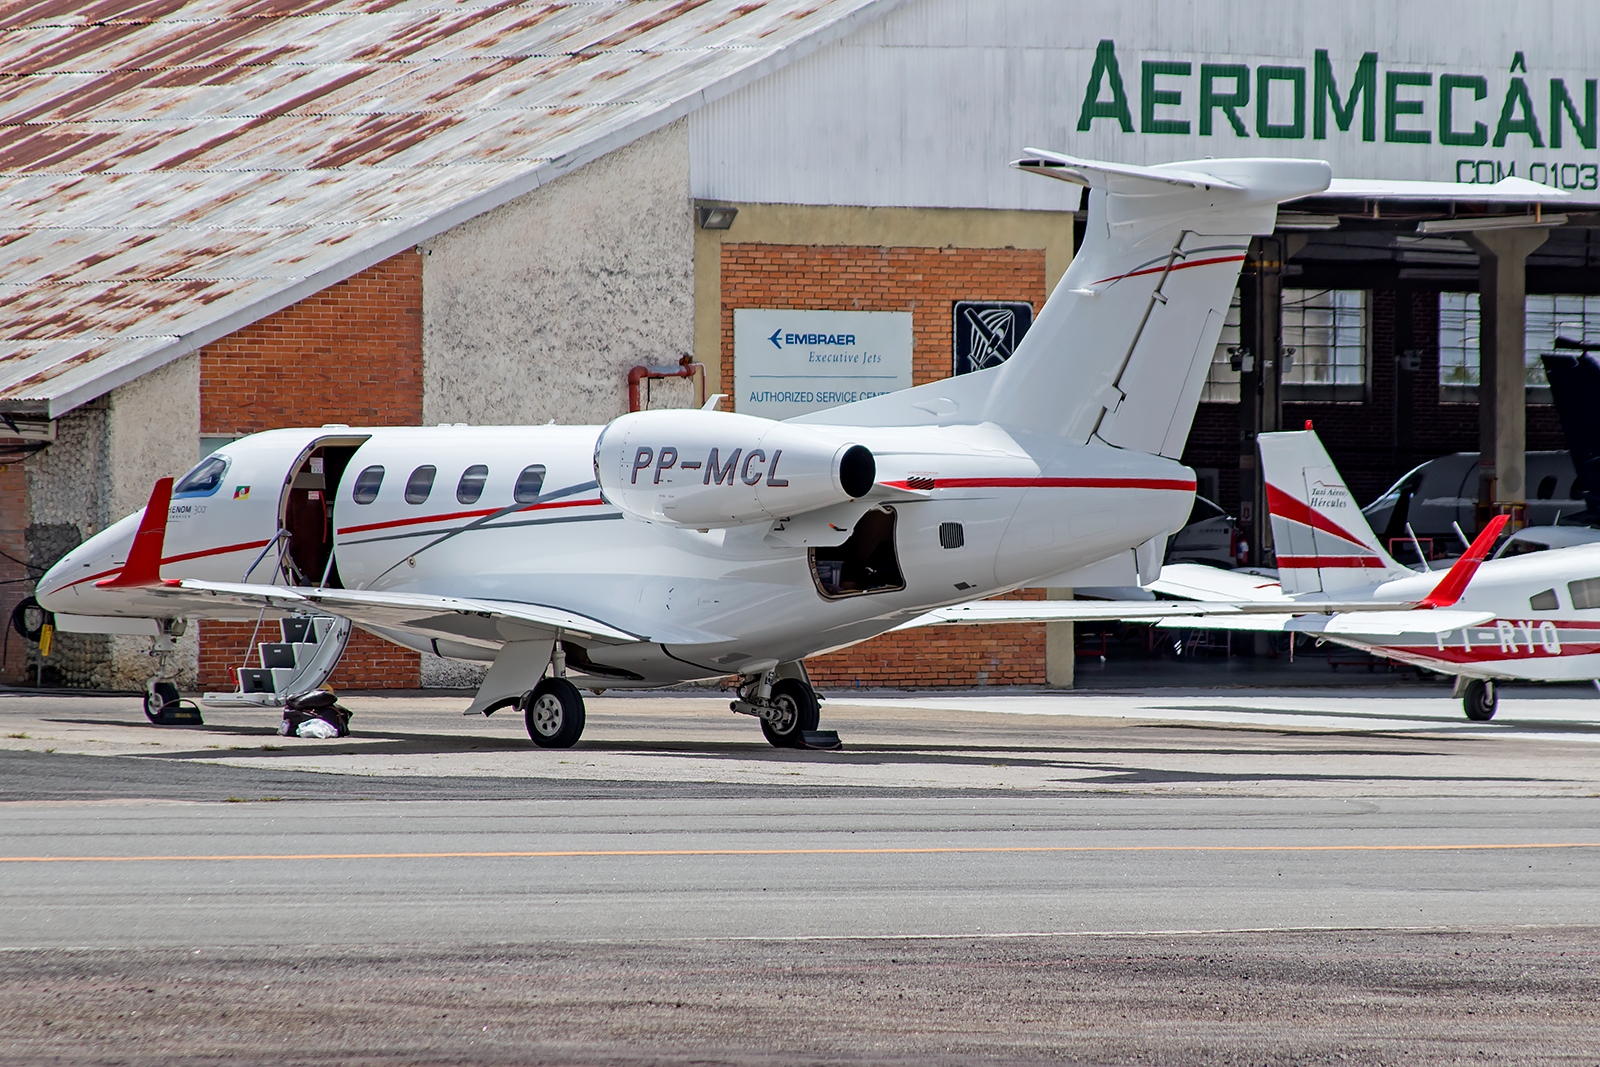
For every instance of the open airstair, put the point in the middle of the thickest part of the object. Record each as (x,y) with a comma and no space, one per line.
(307,651)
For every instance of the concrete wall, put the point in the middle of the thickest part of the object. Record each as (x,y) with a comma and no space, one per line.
(536,310)
(105,459)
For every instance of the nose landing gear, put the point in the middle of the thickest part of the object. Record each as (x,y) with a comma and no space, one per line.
(162,704)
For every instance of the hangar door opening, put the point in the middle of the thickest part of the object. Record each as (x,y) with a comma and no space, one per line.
(305,514)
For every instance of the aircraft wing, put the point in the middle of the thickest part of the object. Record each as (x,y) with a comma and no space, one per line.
(1392,623)
(487,623)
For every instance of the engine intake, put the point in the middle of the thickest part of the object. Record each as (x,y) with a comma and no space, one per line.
(709,469)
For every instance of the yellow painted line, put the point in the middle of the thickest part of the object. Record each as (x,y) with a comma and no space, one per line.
(925,851)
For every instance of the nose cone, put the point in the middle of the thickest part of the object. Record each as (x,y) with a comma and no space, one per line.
(68,587)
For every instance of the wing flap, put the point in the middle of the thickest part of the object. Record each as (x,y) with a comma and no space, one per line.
(490,623)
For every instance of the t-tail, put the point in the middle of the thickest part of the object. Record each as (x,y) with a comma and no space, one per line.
(1121,349)
(1323,542)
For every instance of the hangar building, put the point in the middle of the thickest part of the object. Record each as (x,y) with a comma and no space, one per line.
(229,217)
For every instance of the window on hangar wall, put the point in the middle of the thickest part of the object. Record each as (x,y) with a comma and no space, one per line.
(1545,315)
(1325,334)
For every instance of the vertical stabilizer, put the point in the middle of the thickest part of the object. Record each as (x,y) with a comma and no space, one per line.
(1323,542)
(1121,349)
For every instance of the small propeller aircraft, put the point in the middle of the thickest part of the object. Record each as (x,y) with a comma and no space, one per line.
(1532,617)
(673,546)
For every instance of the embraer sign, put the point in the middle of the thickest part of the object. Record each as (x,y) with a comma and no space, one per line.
(1483,125)
(787,363)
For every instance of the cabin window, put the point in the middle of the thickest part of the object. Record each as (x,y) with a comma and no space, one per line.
(470,487)
(1547,488)
(866,563)
(529,482)
(367,483)
(205,479)
(1545,601)
(1584,593)
(420,484)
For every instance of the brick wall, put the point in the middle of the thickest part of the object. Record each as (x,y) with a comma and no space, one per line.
(368,662)
(351,353)
(925,282)
(940,656)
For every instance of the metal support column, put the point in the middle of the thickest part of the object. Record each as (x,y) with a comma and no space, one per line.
(1260,380)
(1502,377)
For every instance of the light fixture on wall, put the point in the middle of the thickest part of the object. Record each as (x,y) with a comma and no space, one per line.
(716,217)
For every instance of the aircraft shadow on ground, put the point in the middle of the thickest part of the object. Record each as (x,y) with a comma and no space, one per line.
(956,757)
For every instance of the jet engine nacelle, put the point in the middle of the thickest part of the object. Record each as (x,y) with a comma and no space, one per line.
(708,469)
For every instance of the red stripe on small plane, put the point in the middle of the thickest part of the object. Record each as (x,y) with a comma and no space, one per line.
(1319,562)
(419,519)
(1284,506)
(1172,484)
(1177,266)
(179,558)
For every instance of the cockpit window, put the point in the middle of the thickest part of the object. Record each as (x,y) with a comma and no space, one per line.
(470,487)
(420,484)
(529,482)
(205,479)
(1545,601)
(367,483)
(1521,546)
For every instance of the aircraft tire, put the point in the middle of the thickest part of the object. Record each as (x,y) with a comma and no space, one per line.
(157,697)
(1480,701)
(801,709)
(553,710)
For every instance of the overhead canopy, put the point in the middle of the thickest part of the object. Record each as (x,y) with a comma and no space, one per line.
(173,172)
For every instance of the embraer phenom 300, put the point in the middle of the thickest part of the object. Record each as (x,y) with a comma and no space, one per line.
(674,546)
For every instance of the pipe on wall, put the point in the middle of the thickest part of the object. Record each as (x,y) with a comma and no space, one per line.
(684,368)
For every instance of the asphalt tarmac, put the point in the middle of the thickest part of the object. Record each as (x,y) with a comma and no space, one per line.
(1209,876)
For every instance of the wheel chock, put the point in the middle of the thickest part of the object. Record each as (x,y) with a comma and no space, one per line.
(820,739)
(178,715)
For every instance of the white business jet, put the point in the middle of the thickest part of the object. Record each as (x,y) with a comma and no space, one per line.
(677,546)
(1531,617)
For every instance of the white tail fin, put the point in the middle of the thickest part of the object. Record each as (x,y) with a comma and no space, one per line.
(1322,540)
(1121,349)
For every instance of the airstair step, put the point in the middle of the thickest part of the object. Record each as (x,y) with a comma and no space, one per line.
(276,654)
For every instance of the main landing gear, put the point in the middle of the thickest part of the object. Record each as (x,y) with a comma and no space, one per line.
(553,709)
(1479,699)
(788,709)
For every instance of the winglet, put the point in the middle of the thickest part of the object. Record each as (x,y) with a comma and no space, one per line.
(143,568)
(1448,591)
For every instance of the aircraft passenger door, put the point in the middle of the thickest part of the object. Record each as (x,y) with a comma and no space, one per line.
(306,511)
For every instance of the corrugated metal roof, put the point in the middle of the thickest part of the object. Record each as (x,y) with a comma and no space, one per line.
(173,171)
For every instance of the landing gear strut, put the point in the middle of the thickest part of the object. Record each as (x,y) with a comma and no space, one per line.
(1479,699)
(788,709)
(161,700)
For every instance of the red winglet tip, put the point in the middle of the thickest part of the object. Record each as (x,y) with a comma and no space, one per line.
(1454,583)
(143,568)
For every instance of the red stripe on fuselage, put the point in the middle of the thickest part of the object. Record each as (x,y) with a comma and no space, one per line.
(1319,562)
(1176,266)
(179,558)
(419,519)
(1171,484)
